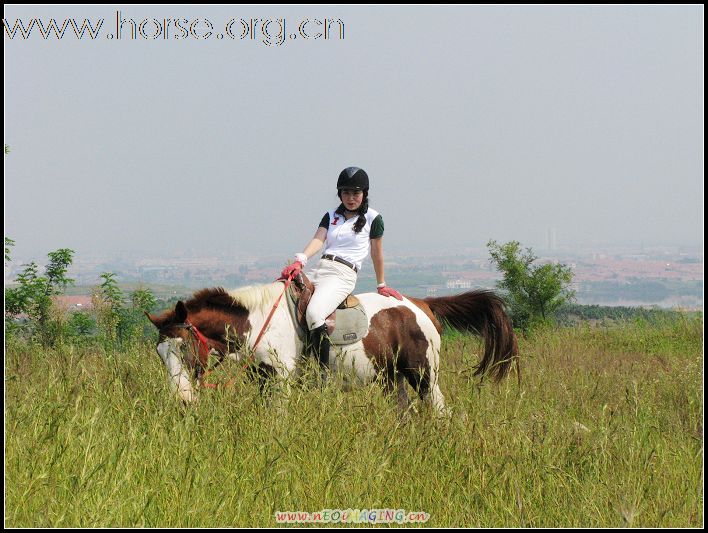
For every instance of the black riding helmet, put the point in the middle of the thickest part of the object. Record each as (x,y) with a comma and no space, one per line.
(353,178)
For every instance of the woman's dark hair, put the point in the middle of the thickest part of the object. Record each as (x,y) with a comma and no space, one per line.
(363,208)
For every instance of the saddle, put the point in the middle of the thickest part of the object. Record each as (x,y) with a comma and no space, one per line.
(347,324)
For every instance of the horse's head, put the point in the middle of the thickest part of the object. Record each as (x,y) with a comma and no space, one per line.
(179,348)
(213,322)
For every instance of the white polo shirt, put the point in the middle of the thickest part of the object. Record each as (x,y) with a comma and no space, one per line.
(343,242)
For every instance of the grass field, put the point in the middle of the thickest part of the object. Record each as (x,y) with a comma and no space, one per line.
(605,430)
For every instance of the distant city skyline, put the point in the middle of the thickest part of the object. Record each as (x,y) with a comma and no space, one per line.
(608,277)
(474,252)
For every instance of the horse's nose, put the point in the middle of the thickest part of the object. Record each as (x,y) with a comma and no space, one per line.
(164,347)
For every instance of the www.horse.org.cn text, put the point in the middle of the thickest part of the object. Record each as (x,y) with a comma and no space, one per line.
(268,31)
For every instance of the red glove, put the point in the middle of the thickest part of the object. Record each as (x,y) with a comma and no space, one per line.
(388,291)
(291,271)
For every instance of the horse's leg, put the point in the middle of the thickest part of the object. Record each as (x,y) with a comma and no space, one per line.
(275,379)
(401,393)
(404,402)
(428,389)
(266,375)
(396,381)
(437,400)
(434,395)
(423,379)
(274,386)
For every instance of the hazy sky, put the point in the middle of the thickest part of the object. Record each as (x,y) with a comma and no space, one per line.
(473,123)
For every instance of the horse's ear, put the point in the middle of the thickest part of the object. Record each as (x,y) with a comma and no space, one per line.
(181,311)
(153,319)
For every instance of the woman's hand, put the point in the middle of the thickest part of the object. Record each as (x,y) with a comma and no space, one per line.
(388,291)
(291,271)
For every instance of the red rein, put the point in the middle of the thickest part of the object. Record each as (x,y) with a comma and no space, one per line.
(202,343)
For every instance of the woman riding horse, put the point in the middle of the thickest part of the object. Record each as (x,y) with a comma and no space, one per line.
(347,234)
(403,339)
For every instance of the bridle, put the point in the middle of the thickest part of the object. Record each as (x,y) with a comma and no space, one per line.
(202,346)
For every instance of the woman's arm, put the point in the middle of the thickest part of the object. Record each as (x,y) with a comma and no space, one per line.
(378,259)
(315,244)
(301,258)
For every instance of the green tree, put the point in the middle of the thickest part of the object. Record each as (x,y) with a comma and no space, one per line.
(21,300)
(137,328)
(534,291)
(143,300)
(80,327)
(119,323)
(9,243)
(107,301)
(34,293)
(110,292)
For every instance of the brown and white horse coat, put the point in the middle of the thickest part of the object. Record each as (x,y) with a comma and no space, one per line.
(403,342)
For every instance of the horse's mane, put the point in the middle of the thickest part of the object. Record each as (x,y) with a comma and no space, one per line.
(256,297)
(250,298)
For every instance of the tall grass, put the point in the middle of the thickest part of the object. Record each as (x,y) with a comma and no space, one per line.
(605,430)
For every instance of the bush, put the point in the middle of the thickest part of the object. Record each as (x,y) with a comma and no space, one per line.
(533,291)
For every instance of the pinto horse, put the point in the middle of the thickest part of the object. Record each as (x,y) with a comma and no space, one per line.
(402,343)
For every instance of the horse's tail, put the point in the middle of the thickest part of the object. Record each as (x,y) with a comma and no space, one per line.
(482,312)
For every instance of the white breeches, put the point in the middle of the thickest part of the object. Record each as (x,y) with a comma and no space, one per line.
(333,282)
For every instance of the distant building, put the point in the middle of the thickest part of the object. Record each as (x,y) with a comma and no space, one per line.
(75,303)
(458,284)
(551,239)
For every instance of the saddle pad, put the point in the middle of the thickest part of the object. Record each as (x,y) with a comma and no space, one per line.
(351,325)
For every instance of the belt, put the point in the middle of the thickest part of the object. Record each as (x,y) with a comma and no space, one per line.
(340,260)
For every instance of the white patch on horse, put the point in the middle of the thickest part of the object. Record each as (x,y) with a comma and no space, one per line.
(276,347)
(352,363)
(177,375)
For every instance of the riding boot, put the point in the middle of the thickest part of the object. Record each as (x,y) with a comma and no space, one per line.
(320,345)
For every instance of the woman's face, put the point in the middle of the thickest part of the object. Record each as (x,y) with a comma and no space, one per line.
(352,199)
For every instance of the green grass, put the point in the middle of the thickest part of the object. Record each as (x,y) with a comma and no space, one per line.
(604,431)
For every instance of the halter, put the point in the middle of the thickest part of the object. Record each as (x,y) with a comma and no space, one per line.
(203,352)
(200,339)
